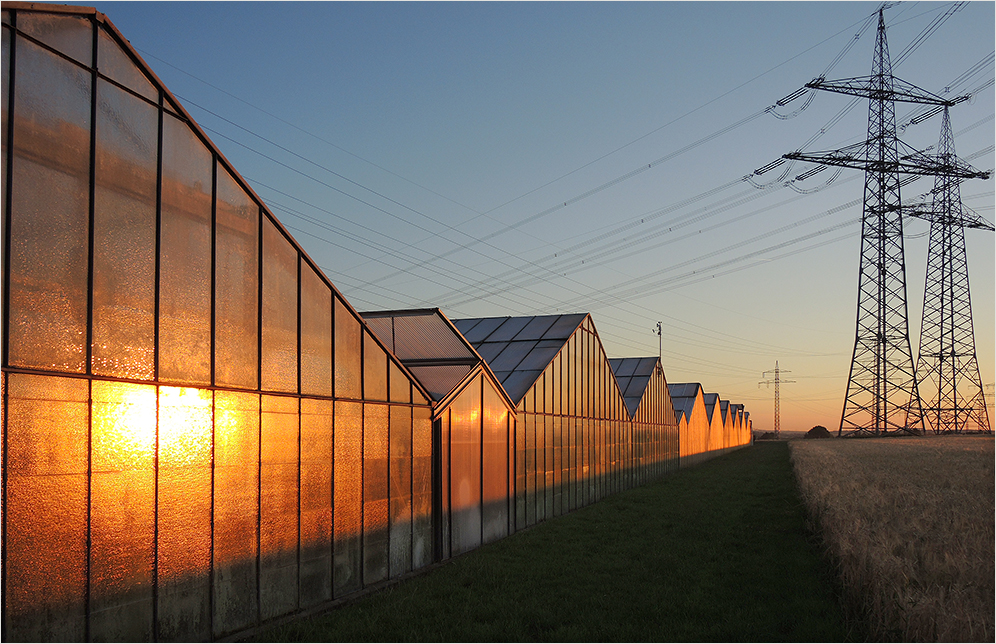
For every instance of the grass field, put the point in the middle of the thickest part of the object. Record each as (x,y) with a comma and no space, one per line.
(910,525)
(719,552)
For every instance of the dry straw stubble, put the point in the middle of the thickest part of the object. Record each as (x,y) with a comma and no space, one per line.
(910,524)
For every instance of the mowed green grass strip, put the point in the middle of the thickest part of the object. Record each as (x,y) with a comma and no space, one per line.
(718,552)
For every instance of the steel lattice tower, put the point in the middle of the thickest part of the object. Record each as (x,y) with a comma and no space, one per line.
(777,381)
(882,394)
(948,366)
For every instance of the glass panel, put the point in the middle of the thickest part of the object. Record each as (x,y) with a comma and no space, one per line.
(374,370)
(279,339)
(71,35)
(348,497)
(316,501)
(421,487)
(520,472)
(114,63)
(185,257)
(184,507)
(122,511)
(316,334)
(124,235)
(236,497)
(46,508)
(558,466)
(543,467)
(465,468)
(236,280)
(530,421)
(495,465)
(49,216)
(401,388)
(347,353)
(444,484)
(376,502)
(278,519)
(401,490)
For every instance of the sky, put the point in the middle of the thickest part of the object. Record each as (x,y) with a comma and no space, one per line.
(540,158)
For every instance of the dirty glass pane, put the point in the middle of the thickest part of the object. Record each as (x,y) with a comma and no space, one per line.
(122,511)
(347,353)
(316,334)
(278,519)
(184,546)
(46,509)
(376,490)
(316,501)
(124,235)
(465,468)
(236,496)
(49,215)
(494,466)
(114,63)
(185,257)
(279,339)
(401,490)
(374,370)
(421,487)
(348,498)
(71,35)
(236,282)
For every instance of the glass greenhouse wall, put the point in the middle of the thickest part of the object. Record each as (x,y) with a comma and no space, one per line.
(472,419)
(573,435)
(199,432)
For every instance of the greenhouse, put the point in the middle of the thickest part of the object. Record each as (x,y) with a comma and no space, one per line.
(201,435)
(573,430)
(472,420)
(173,367)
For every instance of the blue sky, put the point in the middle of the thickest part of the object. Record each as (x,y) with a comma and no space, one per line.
(423,155)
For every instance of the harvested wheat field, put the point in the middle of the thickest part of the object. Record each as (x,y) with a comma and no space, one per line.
(909,523)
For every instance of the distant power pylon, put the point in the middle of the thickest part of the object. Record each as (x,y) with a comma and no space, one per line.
(882,394)
(948,367)
(777,382)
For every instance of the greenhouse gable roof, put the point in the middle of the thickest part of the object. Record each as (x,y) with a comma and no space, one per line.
(633,376)
(518,349)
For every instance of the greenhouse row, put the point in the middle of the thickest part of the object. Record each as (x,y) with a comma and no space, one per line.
(202,435)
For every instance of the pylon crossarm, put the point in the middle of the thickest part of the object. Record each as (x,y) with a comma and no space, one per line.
(871,87)
(915,163)
(965,217)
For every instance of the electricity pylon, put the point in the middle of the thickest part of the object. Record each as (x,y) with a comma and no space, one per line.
(882,394)
(777,381)
(948,365)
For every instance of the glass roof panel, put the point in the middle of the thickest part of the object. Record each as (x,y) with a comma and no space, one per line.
(537,327)
(517,383)
(539,357)
(564,326)
(479,329)
(511,357)
(490,350)
(509,329)
(440,380)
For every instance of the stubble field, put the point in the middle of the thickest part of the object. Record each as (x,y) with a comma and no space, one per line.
(909,523)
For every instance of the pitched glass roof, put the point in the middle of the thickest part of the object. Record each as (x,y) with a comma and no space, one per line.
(683,396)
(633,376)
(518,349)
(427,344)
